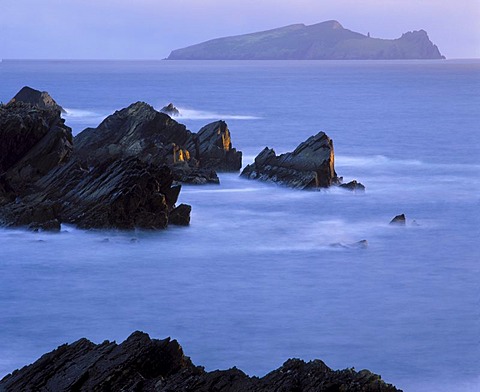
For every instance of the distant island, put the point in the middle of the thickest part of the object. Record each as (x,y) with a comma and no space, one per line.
(322,41)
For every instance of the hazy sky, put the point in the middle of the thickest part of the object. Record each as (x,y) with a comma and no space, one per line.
(150,29)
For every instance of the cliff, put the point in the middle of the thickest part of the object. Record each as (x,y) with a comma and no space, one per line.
(323,41)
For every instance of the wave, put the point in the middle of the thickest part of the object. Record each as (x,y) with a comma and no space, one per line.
(192,114)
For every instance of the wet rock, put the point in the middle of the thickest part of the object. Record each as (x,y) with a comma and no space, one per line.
(40,99)
(215,149)
(99,184)
(32,142)
(310,165)
(139,130)
(149,365)
(171,110)
(180,215)
(353,186)
(399,220)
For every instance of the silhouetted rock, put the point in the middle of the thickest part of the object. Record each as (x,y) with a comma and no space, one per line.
(142,364)
(363,244)
(40,99)
(171,110)
(310,165)
(322,41)
(399,220)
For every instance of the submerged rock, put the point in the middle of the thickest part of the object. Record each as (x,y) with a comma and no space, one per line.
(148,365)
(40,99)
(171,110)
(311,165)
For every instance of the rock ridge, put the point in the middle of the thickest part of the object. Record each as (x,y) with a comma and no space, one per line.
(143,364)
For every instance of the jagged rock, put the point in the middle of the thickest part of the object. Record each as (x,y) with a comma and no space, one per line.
(154,137)
(171,110)
(310,165)
(353,186)
(180,215)
(32,142)
(40,99)
(102,184)
(148,365)
(399,220)
(215,149)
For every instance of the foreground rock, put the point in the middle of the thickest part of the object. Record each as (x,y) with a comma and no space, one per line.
(311,165)
(150,365)
(40,99)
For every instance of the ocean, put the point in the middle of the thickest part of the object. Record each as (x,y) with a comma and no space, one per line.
(258,277)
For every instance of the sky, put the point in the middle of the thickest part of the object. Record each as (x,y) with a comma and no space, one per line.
(151,29)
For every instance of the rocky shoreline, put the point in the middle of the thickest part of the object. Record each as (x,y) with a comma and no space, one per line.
(143,364)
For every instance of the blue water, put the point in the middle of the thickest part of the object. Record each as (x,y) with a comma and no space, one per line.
(254,280)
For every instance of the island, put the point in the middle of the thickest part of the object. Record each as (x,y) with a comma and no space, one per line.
(322,41)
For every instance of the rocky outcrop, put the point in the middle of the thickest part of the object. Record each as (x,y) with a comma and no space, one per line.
(171,110)
(40,99)
(148,365)
(100,183)
(32,142)
(154,137)
(322,41)
(215,149)
(310,166)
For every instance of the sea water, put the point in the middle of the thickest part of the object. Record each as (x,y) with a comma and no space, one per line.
(255,280)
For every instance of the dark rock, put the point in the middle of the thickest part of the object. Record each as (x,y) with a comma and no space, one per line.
(310,165)
(154,137)
(353,186)
(148,365)
(171,110)
(399,220)
(102,184)
(180,215)
(215,149)
(40,99)
(32,142)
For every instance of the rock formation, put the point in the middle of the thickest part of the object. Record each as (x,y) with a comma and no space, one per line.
(121,174)
(310,165)
(321,41)
(171,110)
(40,99)
(148,365)
(154,137)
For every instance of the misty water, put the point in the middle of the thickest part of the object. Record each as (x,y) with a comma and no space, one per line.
(255,279)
